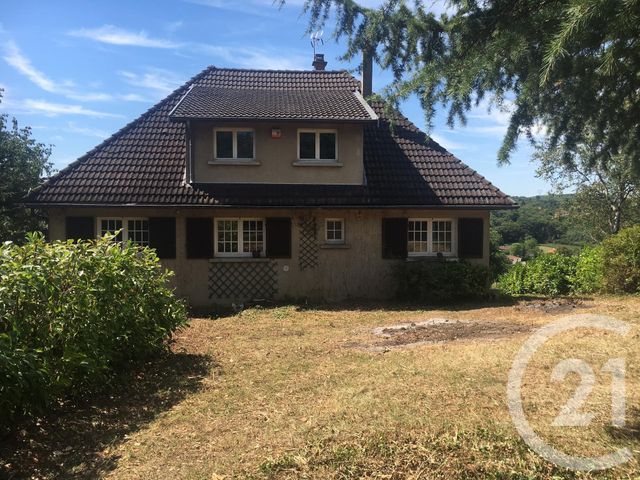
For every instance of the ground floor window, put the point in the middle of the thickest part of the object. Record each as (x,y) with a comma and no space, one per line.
(240,237)
(135,230)
(334,230)
(430,236)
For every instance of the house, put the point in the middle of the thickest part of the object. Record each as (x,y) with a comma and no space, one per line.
(269,184)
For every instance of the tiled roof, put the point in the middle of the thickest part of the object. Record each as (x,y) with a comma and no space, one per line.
(144,162)
(219,103)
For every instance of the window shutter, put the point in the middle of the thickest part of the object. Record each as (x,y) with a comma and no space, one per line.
(80,228)
(162,236)
(199,238)
(470,237)
(394,237)
(278,237)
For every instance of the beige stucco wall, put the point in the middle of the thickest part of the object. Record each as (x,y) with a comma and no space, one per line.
(275,158)
(354,271)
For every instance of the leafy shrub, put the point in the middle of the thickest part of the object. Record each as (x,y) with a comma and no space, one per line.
(589,274)
(74,314)
(621,261)
(498,261)
(441,281)
(544,275)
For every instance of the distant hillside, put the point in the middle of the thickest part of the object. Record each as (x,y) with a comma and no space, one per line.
(543,217)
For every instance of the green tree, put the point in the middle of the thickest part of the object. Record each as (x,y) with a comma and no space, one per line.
(563,65)
(607,192)
(23,164)
(527,249)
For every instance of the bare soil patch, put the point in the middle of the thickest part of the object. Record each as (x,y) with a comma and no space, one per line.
(552,305)
(441,330)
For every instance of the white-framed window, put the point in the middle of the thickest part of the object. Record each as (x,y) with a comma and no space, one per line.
(239,237)
(135,230)
(431,236)
(234,143)
(334,230)
(317,145)
(441,236)
(418,236)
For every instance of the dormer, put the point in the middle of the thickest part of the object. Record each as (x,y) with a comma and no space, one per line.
(307,131)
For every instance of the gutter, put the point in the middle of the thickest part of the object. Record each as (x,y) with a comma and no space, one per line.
(275,207)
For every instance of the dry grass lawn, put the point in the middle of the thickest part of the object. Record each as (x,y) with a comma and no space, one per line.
(300,393)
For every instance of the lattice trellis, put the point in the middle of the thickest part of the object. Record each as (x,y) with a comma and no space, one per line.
(243,280)
(308,256)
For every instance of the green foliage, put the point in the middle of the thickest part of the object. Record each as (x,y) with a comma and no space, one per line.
(544,275)
(554,58)
(498,261)
(547,218)
(23,164)
(607,192)
(527,249)
(441,281)
(589,276)
(621,261)
(74,314)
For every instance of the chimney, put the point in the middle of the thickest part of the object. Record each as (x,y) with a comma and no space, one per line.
(367,73)
(318,61)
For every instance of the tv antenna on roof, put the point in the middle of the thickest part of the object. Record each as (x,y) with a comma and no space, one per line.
(316,38)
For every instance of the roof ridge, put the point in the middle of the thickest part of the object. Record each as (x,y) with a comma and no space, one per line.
(281,70)
(66,170)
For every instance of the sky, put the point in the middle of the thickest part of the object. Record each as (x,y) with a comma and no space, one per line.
(77,71)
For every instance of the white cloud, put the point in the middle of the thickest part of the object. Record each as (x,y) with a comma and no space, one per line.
(14,57)
(53,109)
(22,64)
(494,120)
(447,143)
(113,35)
(133,97)
(156,80)
(173,26)
(86,131)
(256,57)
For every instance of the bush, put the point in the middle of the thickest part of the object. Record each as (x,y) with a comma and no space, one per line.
(621,261)
(74,314)
(438,282)
(589,271)
(544,275)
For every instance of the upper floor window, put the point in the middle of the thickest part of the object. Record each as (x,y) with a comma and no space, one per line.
(317,144)
(234,144)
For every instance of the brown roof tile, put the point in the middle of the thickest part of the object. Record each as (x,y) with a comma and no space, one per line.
(144,162)
(219,103)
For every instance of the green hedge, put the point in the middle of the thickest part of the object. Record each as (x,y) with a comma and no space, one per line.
(546,274)
(611,267)
(74,314)
(621,261)
(441,281)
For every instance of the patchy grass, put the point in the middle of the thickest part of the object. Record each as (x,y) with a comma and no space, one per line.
(282,393)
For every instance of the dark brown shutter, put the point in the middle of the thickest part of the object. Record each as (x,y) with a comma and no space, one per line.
(394,237)
(470,237)
(199,238)
(278,237)
(162,236)
(80,228)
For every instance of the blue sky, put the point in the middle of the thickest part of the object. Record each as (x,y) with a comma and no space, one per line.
(77,71)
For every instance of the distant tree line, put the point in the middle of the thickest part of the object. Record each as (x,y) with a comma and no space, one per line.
(545,218)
